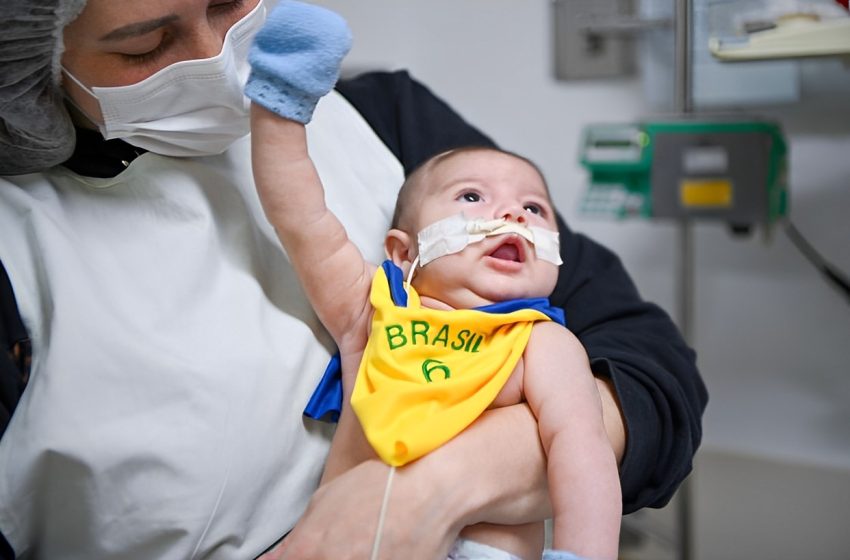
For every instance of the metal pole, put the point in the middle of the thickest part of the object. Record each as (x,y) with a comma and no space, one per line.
(685,296)
(683,25)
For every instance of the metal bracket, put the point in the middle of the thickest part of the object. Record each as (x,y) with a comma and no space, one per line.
(595,38)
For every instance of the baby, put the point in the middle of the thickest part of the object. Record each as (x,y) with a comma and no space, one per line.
(456,320)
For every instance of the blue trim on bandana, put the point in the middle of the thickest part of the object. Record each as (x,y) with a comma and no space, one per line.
(326,402)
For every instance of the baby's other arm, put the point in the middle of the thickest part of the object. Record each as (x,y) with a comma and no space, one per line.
(582,465)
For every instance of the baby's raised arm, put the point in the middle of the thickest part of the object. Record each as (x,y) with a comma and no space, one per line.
(295,61)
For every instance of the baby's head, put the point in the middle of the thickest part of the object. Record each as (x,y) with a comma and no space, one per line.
(482,184)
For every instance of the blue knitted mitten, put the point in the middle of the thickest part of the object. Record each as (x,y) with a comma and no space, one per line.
(295,58)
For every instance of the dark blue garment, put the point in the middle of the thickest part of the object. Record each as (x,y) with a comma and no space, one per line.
(326,401)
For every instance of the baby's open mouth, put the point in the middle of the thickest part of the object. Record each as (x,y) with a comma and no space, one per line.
(510,250)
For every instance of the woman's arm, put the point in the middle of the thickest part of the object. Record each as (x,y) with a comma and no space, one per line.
(493,471)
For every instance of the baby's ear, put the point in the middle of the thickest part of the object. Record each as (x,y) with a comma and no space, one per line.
(398,248)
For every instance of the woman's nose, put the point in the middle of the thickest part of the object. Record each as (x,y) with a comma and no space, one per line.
(208,43)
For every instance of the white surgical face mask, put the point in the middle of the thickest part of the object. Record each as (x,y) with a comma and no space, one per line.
(191,108)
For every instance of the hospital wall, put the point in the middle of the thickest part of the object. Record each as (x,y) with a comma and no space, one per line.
(773,338)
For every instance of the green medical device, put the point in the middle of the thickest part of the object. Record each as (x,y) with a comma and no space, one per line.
(722,168)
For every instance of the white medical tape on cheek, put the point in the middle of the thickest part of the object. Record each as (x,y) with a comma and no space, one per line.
(453,234)
(547,245)
(443,237)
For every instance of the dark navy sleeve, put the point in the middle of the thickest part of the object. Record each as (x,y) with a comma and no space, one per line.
(630,341)
(15,358)
(14,367)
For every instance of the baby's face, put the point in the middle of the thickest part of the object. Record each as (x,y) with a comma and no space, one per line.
(487,185)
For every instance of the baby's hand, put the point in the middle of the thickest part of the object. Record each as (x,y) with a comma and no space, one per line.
(295,58)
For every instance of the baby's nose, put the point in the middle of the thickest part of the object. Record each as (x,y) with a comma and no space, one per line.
(515,215)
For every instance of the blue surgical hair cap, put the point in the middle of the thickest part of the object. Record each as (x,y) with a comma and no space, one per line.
(35,128)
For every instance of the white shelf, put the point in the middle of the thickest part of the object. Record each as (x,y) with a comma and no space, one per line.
(793,36)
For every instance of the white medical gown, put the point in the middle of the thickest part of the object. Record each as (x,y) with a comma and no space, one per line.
(168,423)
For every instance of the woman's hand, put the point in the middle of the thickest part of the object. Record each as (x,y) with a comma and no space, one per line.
(342,517)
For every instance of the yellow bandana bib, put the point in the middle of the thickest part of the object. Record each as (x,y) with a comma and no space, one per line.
(426,374)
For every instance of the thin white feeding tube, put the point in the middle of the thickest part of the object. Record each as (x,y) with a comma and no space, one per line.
(376,546)
(413,266)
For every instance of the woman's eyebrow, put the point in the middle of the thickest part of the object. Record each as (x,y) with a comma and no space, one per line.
(139,28)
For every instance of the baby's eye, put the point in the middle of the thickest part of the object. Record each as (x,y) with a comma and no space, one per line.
(533,208)
(471,197)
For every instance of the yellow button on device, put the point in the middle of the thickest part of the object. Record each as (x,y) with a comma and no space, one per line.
(705,193)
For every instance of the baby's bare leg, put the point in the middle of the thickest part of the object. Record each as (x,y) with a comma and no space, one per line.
(583,478)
